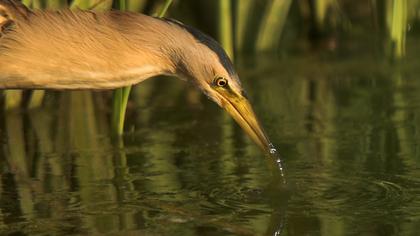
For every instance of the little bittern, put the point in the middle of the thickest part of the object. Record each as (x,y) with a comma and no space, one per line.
(78,49)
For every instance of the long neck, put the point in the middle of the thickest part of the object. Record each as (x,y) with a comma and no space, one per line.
(87,50)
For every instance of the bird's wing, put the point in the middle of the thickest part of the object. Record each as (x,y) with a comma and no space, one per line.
(11,12)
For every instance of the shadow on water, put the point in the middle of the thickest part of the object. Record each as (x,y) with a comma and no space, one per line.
(347,129)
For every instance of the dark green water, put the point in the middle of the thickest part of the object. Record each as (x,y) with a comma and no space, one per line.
(348,130)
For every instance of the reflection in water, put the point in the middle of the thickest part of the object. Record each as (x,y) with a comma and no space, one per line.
(348,138)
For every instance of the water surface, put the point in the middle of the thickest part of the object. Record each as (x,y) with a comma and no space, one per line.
(346,126)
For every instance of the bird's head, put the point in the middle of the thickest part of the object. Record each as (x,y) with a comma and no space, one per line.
(205,63)
(225,89)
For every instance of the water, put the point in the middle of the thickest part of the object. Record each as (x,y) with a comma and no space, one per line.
(347,129)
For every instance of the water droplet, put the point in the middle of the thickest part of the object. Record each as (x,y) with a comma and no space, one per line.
(273,152)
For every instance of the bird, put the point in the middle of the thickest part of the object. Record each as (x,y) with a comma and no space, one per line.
(83,49)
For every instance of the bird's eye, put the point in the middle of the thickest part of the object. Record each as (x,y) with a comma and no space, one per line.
(221,82)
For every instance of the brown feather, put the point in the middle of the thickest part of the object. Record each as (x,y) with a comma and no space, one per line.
(84,49)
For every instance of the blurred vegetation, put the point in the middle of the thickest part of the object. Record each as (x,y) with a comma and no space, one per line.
(62,145)
(122,95)
(396,19)
(252,26)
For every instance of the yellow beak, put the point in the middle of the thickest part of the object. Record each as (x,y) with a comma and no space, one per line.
(241,110)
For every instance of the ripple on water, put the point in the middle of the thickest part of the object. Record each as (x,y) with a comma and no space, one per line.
(237,199)
(368,194)
(354,196)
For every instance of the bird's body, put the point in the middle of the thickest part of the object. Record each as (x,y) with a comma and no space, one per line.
(87,49)
(78,49)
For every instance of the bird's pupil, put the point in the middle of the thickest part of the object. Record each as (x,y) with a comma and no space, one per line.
(221,82)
